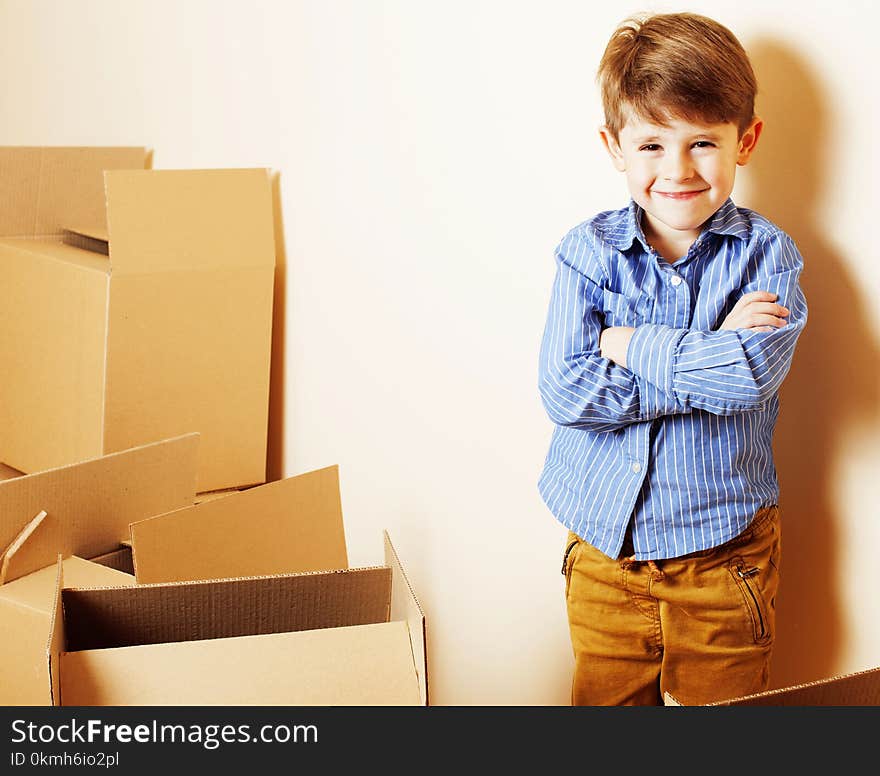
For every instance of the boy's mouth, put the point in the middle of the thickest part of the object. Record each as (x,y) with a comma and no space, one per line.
(679,195)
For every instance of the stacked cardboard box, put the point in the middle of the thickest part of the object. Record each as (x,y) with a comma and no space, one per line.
(136,305)
(145,559)
(859,688)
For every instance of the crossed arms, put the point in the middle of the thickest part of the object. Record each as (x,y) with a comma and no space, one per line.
(603,378)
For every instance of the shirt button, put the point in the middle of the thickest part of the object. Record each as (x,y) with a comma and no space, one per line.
(636,467)
(675,280)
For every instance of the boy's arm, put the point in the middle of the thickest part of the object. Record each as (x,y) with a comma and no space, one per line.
(727,371)
(578,386)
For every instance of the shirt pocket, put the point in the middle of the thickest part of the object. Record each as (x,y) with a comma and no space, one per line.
(620,310)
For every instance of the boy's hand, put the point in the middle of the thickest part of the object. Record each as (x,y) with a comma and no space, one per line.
(613,343)
(756,310)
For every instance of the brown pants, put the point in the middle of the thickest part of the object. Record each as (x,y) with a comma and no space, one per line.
(700,627)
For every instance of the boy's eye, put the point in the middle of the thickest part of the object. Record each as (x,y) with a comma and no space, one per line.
(649,147)
(704,144)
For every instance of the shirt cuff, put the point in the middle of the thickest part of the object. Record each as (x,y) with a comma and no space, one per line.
(651,354)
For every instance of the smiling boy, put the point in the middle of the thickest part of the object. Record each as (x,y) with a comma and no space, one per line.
(671,326)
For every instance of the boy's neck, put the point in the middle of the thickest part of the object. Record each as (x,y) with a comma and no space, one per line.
(669,247)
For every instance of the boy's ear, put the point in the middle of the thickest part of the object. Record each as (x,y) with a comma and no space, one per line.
(749,140)
(613,147)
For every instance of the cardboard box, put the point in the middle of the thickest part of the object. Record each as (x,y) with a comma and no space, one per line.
(136,305)
(247,630)
(861,688)
(82,510)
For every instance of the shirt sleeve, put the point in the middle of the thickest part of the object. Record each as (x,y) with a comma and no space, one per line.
(580,388)
(727,372)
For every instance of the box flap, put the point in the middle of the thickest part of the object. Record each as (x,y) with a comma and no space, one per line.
(90,505)
(7,557)
(37,589)
(24,672)
(26,609)
(95,232)
(363,665)
(167,220)
(405,606)
(289,525)
(44,188)
(186,611)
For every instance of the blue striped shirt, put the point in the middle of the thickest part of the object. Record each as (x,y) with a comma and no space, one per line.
(679,441)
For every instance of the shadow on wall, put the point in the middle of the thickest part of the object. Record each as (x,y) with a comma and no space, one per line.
(832,387)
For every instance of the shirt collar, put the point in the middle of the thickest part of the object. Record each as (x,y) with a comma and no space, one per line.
(728,220)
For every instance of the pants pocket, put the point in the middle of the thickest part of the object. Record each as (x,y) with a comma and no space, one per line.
(571,550)
(748,577)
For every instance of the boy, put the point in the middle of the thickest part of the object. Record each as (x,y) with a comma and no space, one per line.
(671,326)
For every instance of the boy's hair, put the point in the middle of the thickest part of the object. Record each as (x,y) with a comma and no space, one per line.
(676,65)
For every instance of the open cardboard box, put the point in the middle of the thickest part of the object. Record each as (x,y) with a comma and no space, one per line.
(218,617)
(136,305)
(78,511)
(861,688)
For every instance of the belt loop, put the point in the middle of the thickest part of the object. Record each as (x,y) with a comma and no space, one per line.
(656,572)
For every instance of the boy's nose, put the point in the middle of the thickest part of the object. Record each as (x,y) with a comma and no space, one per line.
(677,167)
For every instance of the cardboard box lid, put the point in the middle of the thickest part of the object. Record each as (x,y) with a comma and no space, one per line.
(42,189)
(90,505)
(173,220)
(290,525)
(861,688)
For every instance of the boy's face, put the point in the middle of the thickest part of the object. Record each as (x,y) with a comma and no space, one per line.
(679,173)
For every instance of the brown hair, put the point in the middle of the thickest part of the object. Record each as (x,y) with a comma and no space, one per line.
(676,65)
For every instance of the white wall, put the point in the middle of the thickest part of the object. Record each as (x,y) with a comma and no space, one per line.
(430,155)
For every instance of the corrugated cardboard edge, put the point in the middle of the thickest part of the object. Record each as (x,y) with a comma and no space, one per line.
(120,559)
(93,240)
(56,641)
(8,554)
(99,617)
(405,606)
